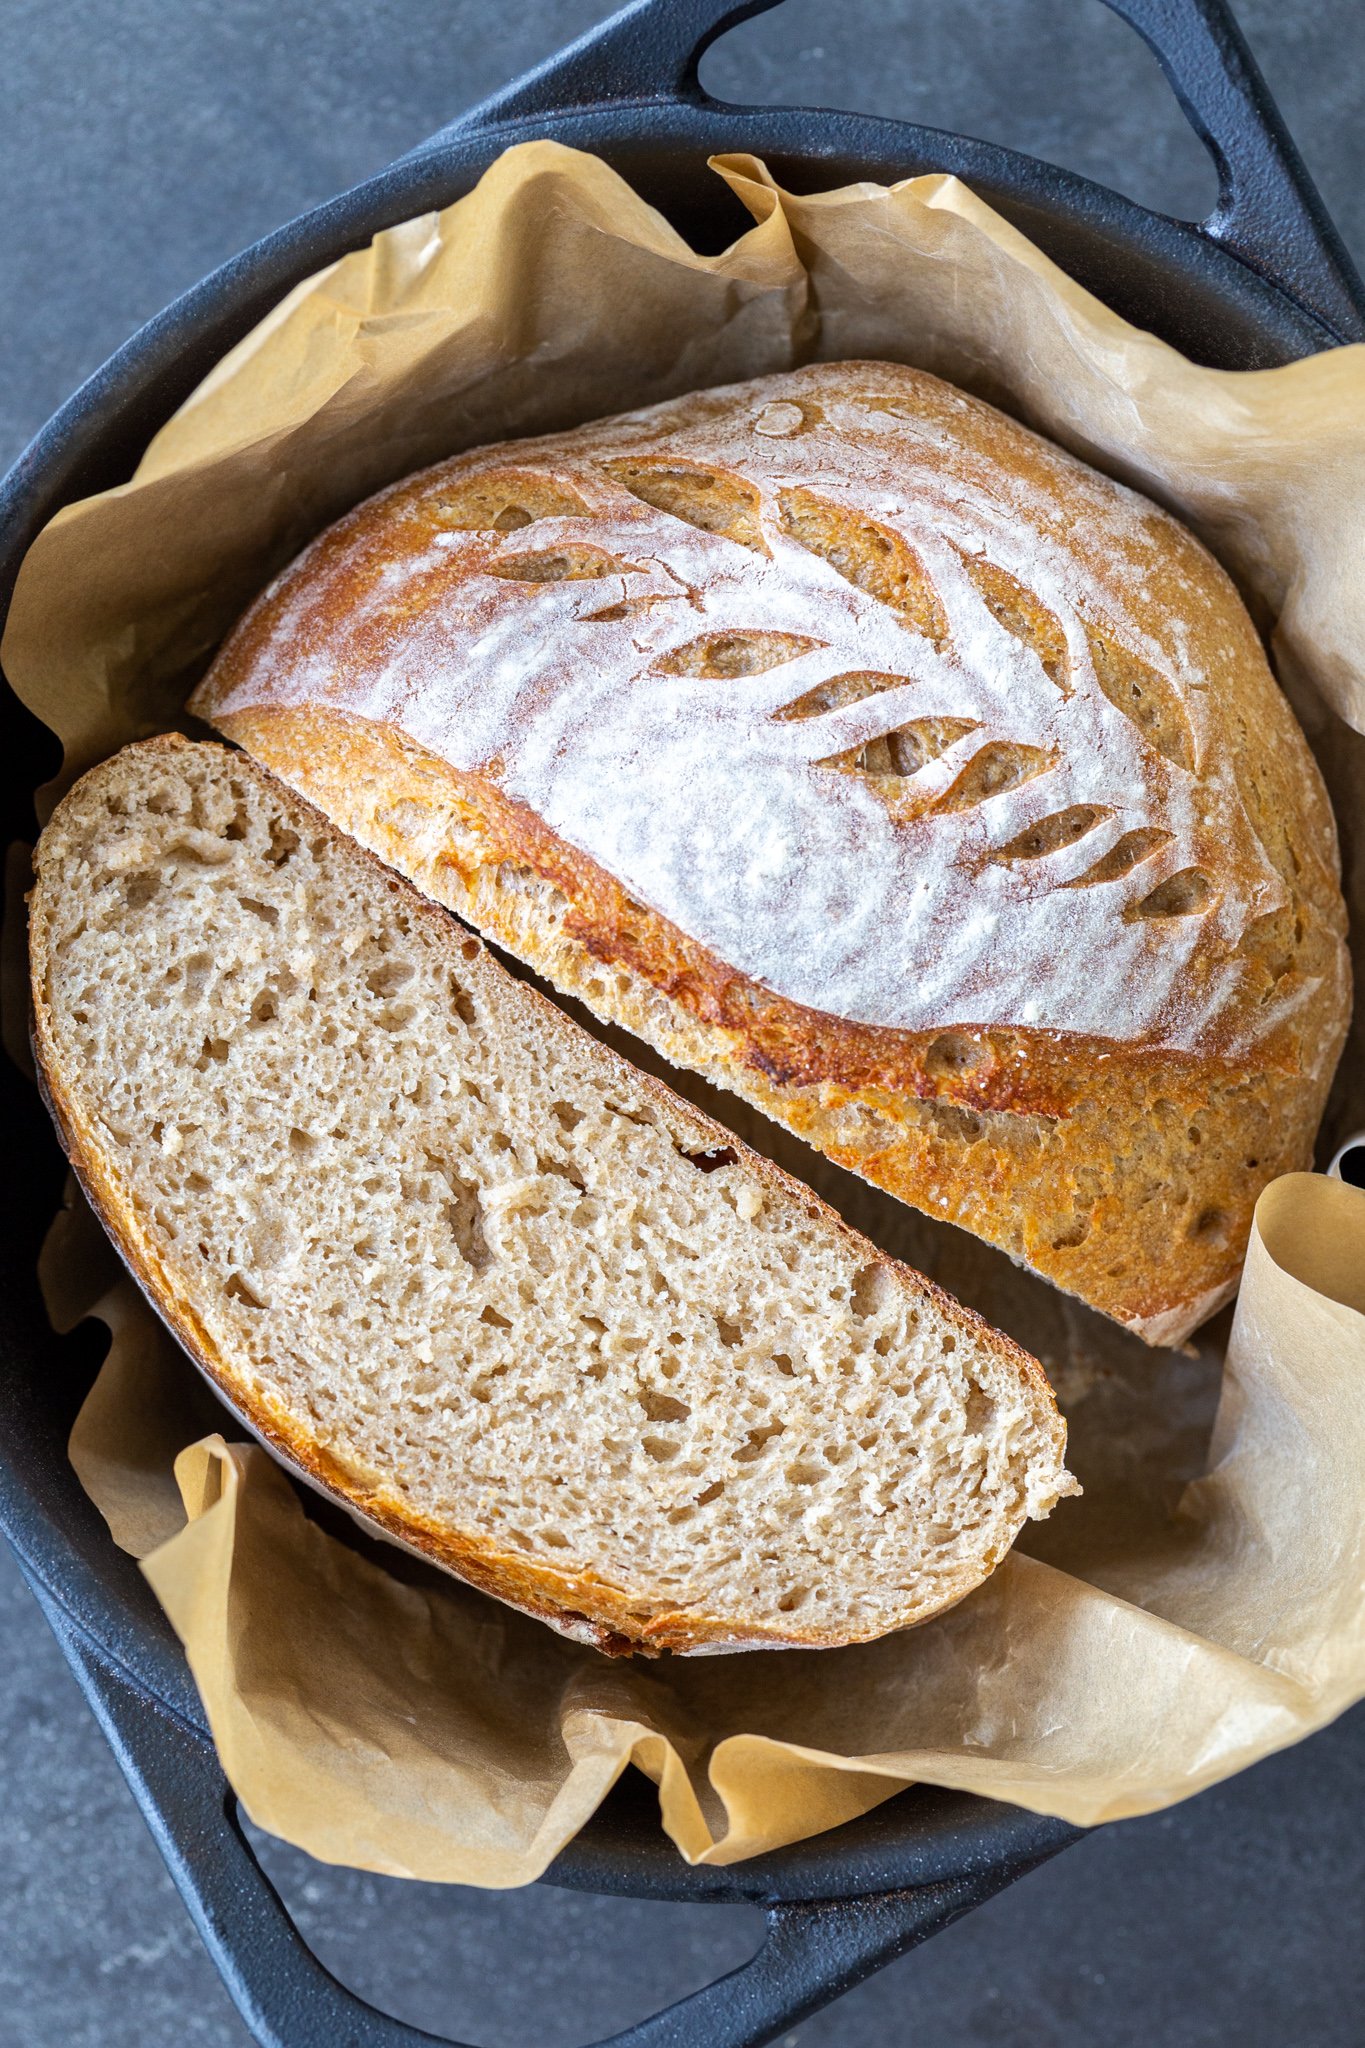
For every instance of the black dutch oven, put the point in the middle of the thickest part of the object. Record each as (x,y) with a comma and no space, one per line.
(1264,280)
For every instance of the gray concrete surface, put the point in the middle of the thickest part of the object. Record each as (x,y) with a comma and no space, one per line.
(141,141)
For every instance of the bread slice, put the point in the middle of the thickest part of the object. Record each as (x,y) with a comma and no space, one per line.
(872,757)
(478,1278)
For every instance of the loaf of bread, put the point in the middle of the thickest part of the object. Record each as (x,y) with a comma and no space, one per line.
(466,1270)
(866,753)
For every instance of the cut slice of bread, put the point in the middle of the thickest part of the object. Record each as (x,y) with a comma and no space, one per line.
(509,1299)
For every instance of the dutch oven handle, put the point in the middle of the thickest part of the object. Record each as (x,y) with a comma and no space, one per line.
(811,1954)
(1269,213)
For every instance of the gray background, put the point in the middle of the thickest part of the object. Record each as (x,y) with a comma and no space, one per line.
(141,142)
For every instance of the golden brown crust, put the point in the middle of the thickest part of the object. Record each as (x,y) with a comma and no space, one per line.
(583,1606)
(864,1099)
(1124,1171)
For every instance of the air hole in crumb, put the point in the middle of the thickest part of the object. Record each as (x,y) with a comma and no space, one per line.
(980,1410)
(198,968)
(784,1364)
(641,1117)
(140,888)
(556,1539)
(730,1334)
(796,1598)
(494,1321)
(873,1289)
(283,843)
(805,1472)
(754,1442)
(386,980)
(566,1117)
(662,1407)
(1075,1232)
(301,1141)
(237,1290)
(710,1493)
(710,1159)
(949,1343)
(267,912)
(660,1448)
(215,1050)
(266,1007)
(557,1170)
(462,1002)
(464,1217)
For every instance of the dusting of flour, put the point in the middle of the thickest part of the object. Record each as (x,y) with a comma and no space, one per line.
(860,896)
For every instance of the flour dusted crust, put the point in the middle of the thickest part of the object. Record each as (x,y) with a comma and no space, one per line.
(869,754)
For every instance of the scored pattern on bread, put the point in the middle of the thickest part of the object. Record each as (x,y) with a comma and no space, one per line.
(493,1287)
(910,778)
(962,776)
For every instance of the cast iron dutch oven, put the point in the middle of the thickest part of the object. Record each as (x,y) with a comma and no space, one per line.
(1264,280)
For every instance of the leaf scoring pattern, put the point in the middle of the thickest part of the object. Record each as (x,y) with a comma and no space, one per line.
(953,782)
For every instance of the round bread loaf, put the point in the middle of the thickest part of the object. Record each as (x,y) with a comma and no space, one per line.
(865,752)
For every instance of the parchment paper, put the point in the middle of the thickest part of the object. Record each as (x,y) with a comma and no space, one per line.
(1204,1603)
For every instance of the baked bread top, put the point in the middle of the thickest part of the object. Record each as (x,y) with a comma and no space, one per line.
(869,728)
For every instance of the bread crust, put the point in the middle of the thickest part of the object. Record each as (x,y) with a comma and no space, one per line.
(585,1607)
(1123,1168)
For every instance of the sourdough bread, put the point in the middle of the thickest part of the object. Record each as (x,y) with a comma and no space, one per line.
(873,757)
(502,1294)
